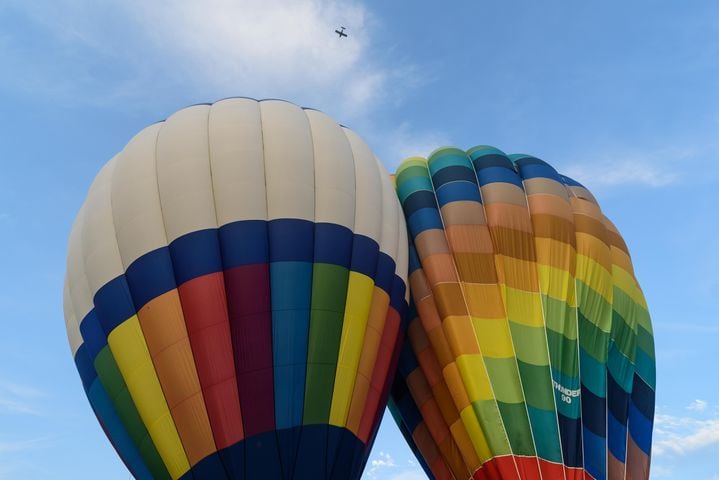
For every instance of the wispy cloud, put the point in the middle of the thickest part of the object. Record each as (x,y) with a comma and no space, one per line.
(629,170)
(18,399)
(405,141)
(687,327)
(14,446)
(132,50)
(698,406)
(138,55)
(650,167)
(679,435)
(660,471)
(383,466)
(411,475)
(383,461)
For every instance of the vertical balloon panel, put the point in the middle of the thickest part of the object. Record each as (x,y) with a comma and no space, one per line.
(530,327)
(235,288)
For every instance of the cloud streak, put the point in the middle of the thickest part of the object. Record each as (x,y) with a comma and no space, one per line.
(136,55)
(683,435)
(637,170)
(14,446)
(404,141)
(18,399)
(132,51)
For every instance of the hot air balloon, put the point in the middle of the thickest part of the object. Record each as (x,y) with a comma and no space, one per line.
(234,289)
(529,349)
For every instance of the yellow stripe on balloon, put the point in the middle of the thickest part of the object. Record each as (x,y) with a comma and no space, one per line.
(128,346)
(556,283)
(475,377)
(523,307)
(593,274)
(628,284)
(479,441)
(357,307)
(494,337)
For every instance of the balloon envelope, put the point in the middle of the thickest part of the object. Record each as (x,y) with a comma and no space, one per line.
(529,351)
(234,288)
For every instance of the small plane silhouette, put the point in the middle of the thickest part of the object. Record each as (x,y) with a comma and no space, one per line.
(341,33)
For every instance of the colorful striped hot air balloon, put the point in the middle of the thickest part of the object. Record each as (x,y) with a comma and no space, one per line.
(531,353)
(234,290)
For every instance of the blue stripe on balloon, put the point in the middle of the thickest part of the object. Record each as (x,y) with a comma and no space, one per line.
(498,174)
(365,256)
(640,428)
(150,276)
(417,201)
(397,297)
(384,276)
(244,243)
(544,426)
(196,254)
(571,409)
(414,263)
(85,367)
(570,181)
(595,456)
(458,191)
(593,373)
(643,397)
(645,366)
(291,240)
(291,294)
(113,304)
(616,437)
(413,184)
(424,219)
(332,244)
(264,455)
(490,160)
(570,430)
(538,171)
(452,174)
(92,333)
(594,410)
(116,431)
(617,400)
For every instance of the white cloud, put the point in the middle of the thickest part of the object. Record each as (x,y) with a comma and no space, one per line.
(14,446)
(383,467)
(698,405)
(161,55)
(649,167)
(405,141)
(683,435)
(18,399)
(660,471)
(381,462)
(627,171)
(411,475)
(133,50)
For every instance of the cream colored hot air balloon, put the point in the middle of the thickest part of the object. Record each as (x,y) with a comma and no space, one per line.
(235,283)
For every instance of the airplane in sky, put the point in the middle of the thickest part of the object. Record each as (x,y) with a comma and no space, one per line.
(341,33)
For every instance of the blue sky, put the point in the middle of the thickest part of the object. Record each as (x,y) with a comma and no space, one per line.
(622,95)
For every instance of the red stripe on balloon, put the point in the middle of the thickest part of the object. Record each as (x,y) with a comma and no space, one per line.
(382,366)
(208,327)
(250,313)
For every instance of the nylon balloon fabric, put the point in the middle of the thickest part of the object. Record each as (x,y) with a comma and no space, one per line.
(234,294)
(529,350)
